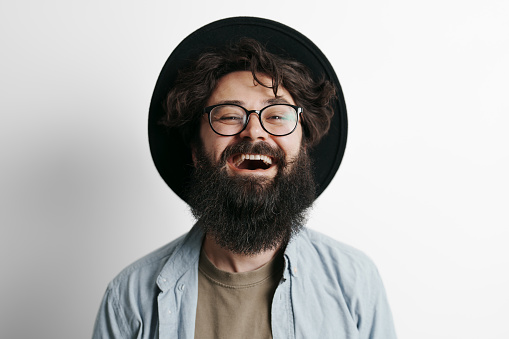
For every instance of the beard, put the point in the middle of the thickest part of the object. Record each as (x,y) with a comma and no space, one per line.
(249,214)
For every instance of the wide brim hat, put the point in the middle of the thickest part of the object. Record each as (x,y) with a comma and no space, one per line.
(172,156)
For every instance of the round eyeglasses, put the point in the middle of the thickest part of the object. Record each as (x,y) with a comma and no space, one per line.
(231,119)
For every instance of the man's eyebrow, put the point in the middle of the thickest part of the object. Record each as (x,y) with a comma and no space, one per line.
(277,100)
(233,102)
(271,101)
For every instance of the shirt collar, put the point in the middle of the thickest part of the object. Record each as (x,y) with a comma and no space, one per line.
(292,255)
(184,257)
(187,255)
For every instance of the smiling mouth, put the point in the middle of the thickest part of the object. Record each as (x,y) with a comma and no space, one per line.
(249,161)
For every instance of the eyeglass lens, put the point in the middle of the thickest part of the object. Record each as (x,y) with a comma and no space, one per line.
(276,119)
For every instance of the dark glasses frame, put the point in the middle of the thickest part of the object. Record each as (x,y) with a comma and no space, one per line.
(209,109)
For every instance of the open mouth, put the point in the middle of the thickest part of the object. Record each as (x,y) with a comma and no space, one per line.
(247,161)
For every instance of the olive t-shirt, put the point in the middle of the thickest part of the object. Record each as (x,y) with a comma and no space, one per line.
(236,305)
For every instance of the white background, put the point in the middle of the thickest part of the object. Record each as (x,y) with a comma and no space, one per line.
(423,187)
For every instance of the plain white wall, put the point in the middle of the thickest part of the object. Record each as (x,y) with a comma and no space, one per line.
(423,188)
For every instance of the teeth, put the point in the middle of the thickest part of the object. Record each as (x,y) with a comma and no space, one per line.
(241,157)
(266,159)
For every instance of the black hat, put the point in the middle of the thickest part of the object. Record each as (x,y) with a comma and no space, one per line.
(172,156)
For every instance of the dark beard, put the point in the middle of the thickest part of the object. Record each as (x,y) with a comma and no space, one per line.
(246,214)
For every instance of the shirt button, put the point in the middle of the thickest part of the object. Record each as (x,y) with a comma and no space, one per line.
(181,287)
(295,270)
(169,312)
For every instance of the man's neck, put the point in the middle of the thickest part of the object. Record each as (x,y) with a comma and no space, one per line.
(232,262)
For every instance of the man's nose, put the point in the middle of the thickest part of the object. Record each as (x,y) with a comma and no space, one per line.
(254,129)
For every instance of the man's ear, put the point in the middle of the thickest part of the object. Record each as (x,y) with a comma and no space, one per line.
(193,139)
(193,153)
(304,144)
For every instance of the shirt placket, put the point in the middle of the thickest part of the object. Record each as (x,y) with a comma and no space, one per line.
(282,310)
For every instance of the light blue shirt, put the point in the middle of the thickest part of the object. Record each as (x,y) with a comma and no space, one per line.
(328,290)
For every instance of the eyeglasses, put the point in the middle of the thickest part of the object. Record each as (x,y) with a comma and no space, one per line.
(231,119)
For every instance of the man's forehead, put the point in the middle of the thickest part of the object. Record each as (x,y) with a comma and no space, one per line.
(241,87)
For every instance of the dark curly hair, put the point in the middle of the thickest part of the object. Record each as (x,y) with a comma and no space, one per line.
(194,85)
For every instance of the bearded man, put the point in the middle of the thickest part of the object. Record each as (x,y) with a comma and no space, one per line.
(247,125)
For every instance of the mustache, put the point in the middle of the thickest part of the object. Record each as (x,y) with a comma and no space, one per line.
(260,147)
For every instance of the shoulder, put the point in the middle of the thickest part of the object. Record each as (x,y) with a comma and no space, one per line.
(346,277)
(148,267)
(334,263)
(332,252)
(139,279)
(131,297)
(171,260)
(128,302)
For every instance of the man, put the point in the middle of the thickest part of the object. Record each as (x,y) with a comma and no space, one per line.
(247,125)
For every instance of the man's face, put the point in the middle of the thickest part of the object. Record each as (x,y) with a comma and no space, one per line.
(240,88)
(250,207)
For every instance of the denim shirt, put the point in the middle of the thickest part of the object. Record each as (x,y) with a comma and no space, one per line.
(328,290)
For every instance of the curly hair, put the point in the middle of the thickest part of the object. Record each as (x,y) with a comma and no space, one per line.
(194,85)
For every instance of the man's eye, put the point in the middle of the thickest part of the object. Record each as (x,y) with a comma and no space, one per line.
(229,118)
(276,117)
